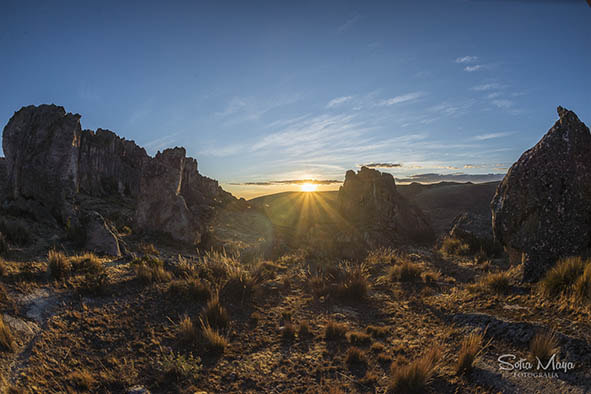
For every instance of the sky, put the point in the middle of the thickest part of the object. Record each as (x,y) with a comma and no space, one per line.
(265,94)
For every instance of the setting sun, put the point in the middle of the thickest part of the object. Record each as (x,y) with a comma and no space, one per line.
(309,187)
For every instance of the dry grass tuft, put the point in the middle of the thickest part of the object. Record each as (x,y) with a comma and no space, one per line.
(355,357)
(187,332)
(213,340)
(354,284)
(151,270)
(58,265)
(215,314)
(334,331)
(377,347)
(149,249)
(358,338)
(562,276)
(543,345)
(415,377)
(87,262)
(304,329)
(406,271)
(288,331)
(454,247)
(190,289)
(582,287)
(497,283)
(377,331)
(470,349)
(7,342)
(82,379)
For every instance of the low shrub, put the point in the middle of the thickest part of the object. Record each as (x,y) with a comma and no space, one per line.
(454,247)
(406,271)
(177,367)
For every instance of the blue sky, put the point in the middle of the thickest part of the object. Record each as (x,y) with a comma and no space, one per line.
(266,92)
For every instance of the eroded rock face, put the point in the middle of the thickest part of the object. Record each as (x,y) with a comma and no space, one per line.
(51,161)
(542,208)
(369,201)
(161,207)
(42,145)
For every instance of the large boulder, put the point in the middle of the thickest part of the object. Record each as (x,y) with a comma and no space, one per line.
(469,225)
(99,236)
(368,200)
(542,208)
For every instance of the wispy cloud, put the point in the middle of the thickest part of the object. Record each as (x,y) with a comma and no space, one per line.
(337,101)
(401,99)
(467,59)
(501,103)
(487,86)
(474,68)
(484,137)
(160,143)
(348,24)
(381,165)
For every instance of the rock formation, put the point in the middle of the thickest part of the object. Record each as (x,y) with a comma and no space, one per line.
(542,208)
(369,201)
(51,163)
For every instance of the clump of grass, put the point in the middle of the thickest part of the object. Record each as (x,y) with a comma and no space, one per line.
(87,262)
(430,277)
(95,282)
(454,246)
(370,379)
(7,342)
(187,332)
(354,284)
(215,314)
(377,347)
(304,329)
(239,287)
(191,289)
(543,345)
(58,265)
(562,276)
(317,285)
(377,331)
(213,340)
(82,379)
(334,331)
(416,376)
(355,356)
(470,349)
(384,358)
(406,271)
(288,331)
(146,248)
(358,338)
(177,367)
(498,283)
(582,287)
(151,270)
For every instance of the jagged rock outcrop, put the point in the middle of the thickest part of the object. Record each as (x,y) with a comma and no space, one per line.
(542,208)
(51,162)
(369,201)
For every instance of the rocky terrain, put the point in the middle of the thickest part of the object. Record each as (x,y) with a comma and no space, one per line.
(126,273)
